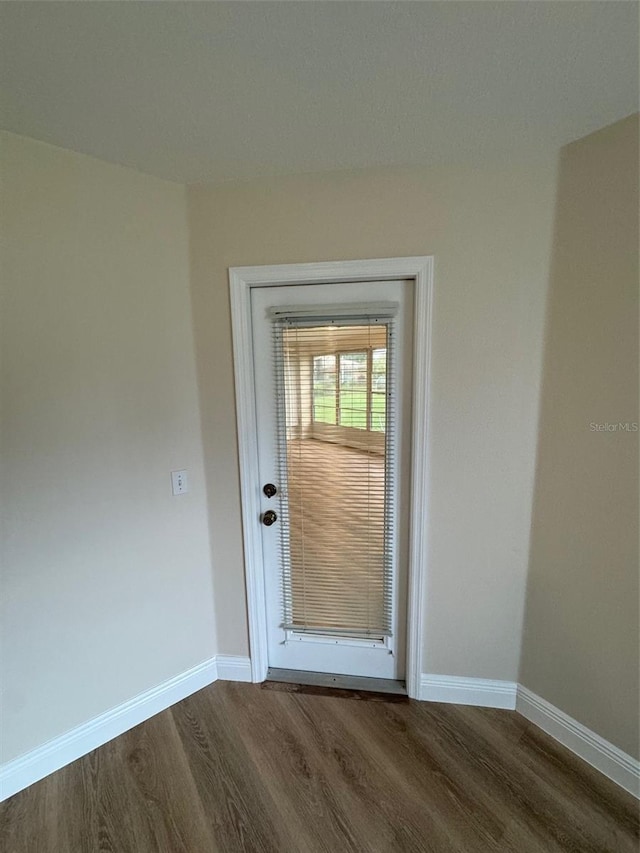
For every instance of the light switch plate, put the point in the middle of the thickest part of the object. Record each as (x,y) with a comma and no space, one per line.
(179,482)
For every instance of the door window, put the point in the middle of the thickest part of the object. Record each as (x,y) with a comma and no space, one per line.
(336,523)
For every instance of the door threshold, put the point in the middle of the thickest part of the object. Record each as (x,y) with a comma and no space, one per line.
(344,682)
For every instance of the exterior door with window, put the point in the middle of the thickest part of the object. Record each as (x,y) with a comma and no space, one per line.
(332,365)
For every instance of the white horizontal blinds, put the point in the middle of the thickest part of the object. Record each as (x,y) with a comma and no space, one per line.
(335,443)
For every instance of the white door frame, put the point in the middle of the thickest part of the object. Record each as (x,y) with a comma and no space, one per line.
(241,281)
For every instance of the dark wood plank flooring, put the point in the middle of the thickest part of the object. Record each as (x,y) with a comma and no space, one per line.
(238,768)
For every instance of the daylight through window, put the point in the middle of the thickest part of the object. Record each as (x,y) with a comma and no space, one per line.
(349,389)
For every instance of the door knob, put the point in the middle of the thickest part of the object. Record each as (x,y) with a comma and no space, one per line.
(269,489)
(269,517)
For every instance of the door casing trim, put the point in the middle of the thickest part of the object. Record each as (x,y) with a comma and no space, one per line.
(241,281)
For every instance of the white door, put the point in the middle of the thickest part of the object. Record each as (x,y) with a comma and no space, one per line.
(333,375)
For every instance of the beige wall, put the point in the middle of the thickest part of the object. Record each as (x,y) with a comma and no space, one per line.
(106,589)
(581,643)
(490,233)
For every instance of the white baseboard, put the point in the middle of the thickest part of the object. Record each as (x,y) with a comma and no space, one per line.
(51,756)
(233,668)
(484,692)
(595,750)
(586,744)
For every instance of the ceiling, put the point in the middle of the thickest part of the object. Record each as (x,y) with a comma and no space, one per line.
(215,91)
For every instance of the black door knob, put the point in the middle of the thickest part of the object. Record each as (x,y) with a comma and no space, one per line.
(269,489)
(269,517)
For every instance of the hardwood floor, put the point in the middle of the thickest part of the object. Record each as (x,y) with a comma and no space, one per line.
(238,768)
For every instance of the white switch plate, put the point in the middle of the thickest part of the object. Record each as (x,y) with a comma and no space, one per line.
(179,482)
